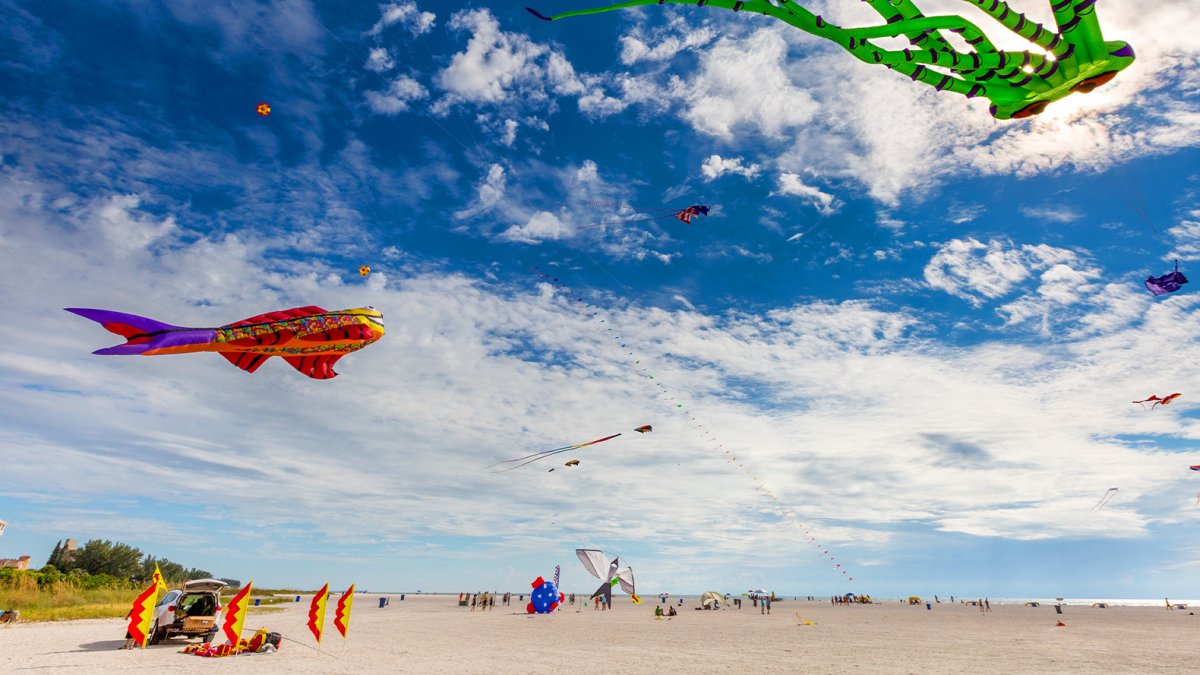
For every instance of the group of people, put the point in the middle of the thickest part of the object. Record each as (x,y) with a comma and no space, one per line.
(658,611)
(484,600)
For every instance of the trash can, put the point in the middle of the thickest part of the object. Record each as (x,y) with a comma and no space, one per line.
(402,597)
(382,602)
(928,606)
(297,598)
(257,602)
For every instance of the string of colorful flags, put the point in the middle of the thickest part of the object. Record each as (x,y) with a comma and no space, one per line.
(714,441)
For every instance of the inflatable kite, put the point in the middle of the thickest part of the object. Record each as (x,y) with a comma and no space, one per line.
(1155,400)
(1195,467)
(610,572)
(1075,59)
(310,339)
(643,429)
(545,597)
(364,271)
(572,462)
(1167,283)
(263,109)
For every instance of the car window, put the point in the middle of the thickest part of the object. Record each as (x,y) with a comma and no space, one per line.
(168,598)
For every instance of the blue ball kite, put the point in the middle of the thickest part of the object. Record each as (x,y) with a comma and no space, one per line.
(545,597)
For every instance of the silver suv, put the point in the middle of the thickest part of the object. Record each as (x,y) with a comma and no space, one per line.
(194,611)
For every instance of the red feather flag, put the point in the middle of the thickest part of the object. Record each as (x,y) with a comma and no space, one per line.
(341,617)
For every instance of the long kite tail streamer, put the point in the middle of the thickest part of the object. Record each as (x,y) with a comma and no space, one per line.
(547,453)
(643,373)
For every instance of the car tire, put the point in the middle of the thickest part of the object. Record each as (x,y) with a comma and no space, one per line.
(209,637)
(157,634)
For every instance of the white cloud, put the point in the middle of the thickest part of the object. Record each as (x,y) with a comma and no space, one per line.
(379,60)
(743,84)
(402,91)
(510,133)
(489,193)
(126,227)
(791,184)
(1061,214)
(405,14)
(716,166)
(502,67)
(541,226)
(665,43)
(978,272)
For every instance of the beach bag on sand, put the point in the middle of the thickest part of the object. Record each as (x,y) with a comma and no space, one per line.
(274,639)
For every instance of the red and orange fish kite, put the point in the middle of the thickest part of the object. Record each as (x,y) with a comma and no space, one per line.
(310,339)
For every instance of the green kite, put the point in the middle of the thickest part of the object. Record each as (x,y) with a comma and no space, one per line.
(1076,59)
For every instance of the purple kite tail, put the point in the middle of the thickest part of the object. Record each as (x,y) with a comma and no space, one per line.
(538,14)
(143,334)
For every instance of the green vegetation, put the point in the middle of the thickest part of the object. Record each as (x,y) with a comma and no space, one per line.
(56,597)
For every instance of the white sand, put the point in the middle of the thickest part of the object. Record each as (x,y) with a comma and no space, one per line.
(431,634)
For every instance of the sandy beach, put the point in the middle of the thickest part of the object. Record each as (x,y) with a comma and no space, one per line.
(432,634)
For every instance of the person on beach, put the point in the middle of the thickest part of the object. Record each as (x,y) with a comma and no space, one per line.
(980,602)
(596,604)
(474,598)
(1168,601)
(672,612)
(658,611)
(492,600)
(987,606)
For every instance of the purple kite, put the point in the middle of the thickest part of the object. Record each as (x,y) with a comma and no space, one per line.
(1167,283)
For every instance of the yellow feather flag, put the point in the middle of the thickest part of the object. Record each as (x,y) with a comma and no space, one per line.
(142,615)
(316,612)
(159,584)
(341,617)
(235,615)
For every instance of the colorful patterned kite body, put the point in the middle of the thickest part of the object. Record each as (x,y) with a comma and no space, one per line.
(1076,59)
(263,109)
(1167,283)
(545,597)
(310,339)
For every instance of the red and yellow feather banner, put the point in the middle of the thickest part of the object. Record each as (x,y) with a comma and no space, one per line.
(235,615)
(341,617)
(142,615)
(316,612)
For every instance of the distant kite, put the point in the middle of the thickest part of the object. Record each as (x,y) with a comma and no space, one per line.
(1155,400)
(640,215)
(263,109)
(1168,283)
(310,339)
(572,462)
(1195,467)
(528,459)
(364,271)
(1112,492)
(643,429)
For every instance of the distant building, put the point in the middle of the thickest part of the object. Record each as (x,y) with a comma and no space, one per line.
(17,564)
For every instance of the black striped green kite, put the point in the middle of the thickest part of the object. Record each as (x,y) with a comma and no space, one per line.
(1075,59)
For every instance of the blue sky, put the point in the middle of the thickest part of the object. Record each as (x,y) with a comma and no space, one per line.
(917,327)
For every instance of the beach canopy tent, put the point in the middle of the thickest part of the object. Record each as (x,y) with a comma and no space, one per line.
(711,599)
